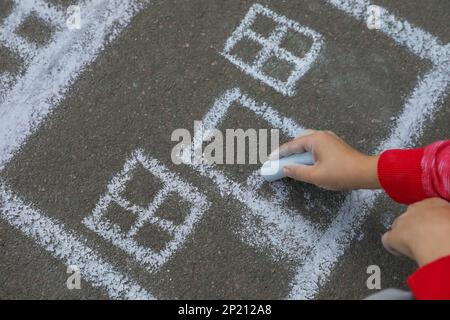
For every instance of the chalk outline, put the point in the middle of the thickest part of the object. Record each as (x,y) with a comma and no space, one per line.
(24,107)
(17,44)
(64,245)
(271,48)
(356,9)
(425,97)
(171,184)
(52,15)
(422,104)
(286,232)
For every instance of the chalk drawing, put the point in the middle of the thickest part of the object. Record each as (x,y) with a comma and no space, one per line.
(222,106)
(6,79)
(49,71)
(25,49)
(315,267)
(271,48)
(419,107)
(172,184)
(25,103)
(67,247)
(266,223)
(27,100)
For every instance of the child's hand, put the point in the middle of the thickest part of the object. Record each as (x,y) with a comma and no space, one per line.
(337,165)
(422,232)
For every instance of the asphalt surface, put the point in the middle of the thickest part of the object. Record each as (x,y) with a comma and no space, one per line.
(163,72)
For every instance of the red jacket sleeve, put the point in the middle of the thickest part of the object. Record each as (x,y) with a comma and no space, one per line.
(410,176)
(432,281)
(413,175)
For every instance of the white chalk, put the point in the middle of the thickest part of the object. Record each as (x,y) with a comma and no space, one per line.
(424,101)
(63,244)
(25,103)
(266,224)
(272,170)
(150,258)
(271,48)
(57,65)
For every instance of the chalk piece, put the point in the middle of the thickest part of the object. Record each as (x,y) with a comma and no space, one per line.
(272,170)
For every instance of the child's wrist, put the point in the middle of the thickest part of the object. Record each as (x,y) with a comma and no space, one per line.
(369,173)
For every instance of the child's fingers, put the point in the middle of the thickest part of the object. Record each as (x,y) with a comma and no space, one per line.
(298,145)
(300,173)
(394,241)
(305,132)
(387,244)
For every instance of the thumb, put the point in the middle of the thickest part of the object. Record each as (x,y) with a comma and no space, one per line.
(389,244)
(300,173)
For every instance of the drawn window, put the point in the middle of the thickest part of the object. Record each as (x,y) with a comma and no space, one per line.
(260,47)
(150,227)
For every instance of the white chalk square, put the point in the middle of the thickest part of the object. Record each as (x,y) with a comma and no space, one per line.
(270,48)
(146,216)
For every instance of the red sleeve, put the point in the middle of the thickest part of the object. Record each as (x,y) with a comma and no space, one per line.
(409,176)
(432,281)
(413,175)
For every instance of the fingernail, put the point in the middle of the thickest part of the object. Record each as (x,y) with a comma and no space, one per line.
(286,171)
